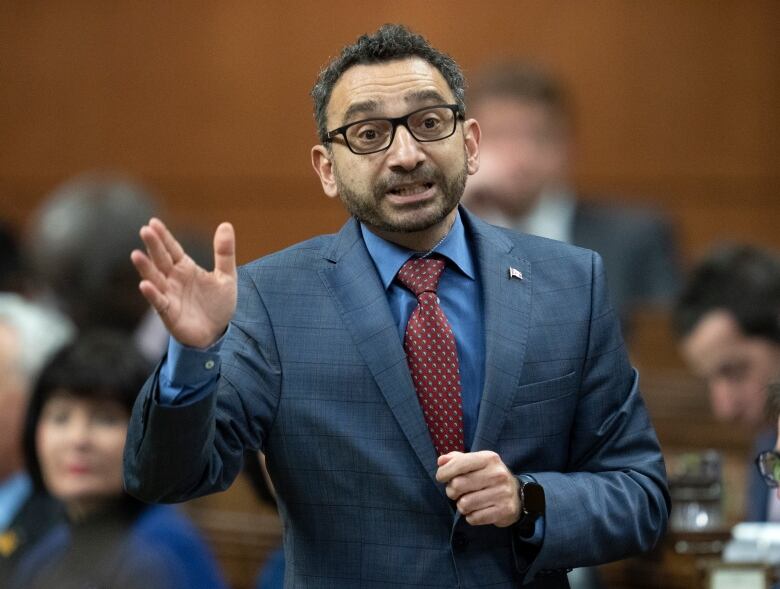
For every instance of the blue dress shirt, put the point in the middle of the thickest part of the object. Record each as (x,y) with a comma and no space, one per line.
(13,493)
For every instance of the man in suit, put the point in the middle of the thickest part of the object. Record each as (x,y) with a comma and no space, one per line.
(524,184)
(483,431)
(28,336)
(728,321)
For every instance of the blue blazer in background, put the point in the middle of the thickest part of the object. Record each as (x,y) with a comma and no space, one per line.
(313,372)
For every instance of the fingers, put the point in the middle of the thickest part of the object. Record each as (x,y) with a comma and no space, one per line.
(482,517)
(165,251)
(477,500)
(459,463)
(147,270)
(152,285)
(445,458)
(497,504)
(225,249)
(494,514)
(153,236)
(156,299)
(478,481)
(174,249)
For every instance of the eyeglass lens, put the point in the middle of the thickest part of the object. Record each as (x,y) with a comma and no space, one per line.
(425,125)
(769,465)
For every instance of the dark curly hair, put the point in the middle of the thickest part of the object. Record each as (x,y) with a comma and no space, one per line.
(388,43)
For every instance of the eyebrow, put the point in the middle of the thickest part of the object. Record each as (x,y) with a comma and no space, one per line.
(371,106)
(367,106)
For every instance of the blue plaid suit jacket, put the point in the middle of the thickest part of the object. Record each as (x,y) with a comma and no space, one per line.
(313,373)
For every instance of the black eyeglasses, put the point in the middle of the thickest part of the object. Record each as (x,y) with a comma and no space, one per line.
(432,123)
(768,464)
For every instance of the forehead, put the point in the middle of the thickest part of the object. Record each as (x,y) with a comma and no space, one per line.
(716,332)
(512,107)
(505,110)
(718,338)
(388,88)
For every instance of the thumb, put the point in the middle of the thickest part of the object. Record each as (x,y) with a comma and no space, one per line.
(225,249)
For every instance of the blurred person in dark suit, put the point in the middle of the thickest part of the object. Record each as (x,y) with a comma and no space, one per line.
(727,318)
(78,243)
(29,334)
(73,439)
(524,184)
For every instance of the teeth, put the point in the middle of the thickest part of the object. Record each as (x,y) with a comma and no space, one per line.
(410,190)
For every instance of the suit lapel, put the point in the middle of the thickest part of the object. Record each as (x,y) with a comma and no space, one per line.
(507,308)
(354,283)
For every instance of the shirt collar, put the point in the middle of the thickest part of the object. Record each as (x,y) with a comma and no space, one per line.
(552,216)
(389,257)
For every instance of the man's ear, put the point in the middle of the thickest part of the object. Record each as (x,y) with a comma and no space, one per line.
(471,136)
(321,160)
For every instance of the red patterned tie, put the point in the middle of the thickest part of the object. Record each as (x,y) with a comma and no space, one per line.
(432,355)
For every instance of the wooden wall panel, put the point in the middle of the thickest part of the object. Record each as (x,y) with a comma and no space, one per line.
(677,101)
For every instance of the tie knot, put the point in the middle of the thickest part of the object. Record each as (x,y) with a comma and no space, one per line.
(421,274)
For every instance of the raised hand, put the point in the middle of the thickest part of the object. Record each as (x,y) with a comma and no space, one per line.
(194,304)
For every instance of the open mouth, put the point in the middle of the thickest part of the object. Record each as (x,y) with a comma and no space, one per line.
(411,190)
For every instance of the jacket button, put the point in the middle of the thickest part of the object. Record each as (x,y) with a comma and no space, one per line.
(459,541)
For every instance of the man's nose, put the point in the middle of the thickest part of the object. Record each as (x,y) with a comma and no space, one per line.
(405,151)
(723,399)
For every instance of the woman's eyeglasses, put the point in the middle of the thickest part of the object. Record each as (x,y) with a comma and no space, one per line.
(768,464)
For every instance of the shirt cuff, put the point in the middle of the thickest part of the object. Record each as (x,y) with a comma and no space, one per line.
(188,374)
(536,539)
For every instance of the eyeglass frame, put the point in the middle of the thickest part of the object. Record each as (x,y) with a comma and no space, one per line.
(395,122)
(770,479)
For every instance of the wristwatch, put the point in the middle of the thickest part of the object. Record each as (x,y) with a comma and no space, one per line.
(531,507)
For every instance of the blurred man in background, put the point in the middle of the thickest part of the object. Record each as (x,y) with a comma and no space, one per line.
(78,244)
(524,184)
(727,318)
(28,336)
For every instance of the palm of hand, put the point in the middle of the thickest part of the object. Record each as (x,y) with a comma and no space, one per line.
(201,303)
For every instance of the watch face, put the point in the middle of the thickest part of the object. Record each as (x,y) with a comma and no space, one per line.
(533,499)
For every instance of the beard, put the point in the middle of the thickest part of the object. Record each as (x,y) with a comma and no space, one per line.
(372,208)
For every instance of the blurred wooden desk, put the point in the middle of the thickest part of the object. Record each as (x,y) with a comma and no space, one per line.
(678,562)
(241,531)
